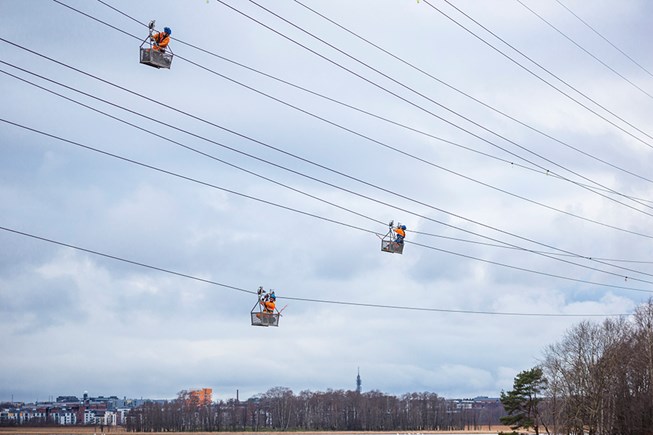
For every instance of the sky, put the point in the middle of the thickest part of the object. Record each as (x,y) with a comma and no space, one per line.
(141,208)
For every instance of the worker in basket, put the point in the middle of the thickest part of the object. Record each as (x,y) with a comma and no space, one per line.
(269,302)
(161,40)
(400,234)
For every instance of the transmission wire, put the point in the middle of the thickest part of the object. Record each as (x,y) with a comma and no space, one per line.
(424,133)
(323,119)
(590,258)
(324,301)
(541,78)
(583,48)
(433,101)
(211,185)
(604,38)
(495,229)
(267,178)
(488,106)
(297,173)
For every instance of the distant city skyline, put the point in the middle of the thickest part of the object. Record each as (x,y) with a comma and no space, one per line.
(146,415)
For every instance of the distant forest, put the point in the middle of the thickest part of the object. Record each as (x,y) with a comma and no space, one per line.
(280,409)
(597,380)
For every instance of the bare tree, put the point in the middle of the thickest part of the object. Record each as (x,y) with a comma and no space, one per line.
(588,374)
(280,409)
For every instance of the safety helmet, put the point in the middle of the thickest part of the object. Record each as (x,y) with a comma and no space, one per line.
(403,227)
(167,30)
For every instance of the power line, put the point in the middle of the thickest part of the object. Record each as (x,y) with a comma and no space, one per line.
(415,130)
(297,173)
(488,106)
(576,255)
(122,13)
(502,246)
(321,166)
(433,101)
(540,77)
(124,260)
(263,177)
(195,150)
(583,49)
(585,257)
(239,83)
(605,188)
(184,177)
(604,38)
(323,301)
(214,186)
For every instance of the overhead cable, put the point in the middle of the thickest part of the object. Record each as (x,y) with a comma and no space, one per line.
(604,38)
(272,203)
(151,119)
(435,102)
(585,257)
(323,301)
(547,22)
(415,130)
(540,77)
(547,171)
(400,195)
(471,97)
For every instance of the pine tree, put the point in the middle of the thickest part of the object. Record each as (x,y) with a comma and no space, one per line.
(522,403)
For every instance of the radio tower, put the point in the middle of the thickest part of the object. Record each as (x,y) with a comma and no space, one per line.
(358,381)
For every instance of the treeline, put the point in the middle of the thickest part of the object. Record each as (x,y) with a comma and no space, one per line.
(599,377)
(281,410)
(597,380)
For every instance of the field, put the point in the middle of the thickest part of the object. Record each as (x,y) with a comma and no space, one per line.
(90,430)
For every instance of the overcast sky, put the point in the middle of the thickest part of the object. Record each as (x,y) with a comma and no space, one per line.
(512,137)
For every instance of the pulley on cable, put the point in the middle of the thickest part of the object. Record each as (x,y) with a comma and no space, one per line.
(393,241)
(155,51)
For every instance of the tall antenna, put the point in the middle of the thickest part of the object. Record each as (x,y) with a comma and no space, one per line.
(358,381)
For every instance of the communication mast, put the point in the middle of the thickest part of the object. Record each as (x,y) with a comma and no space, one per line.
(358,381)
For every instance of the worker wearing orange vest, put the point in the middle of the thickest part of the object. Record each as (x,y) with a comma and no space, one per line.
(269,302)
(401,233)
(161,39)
